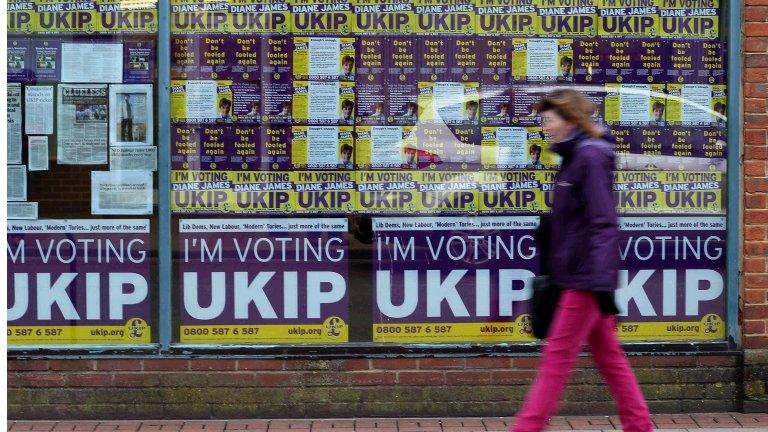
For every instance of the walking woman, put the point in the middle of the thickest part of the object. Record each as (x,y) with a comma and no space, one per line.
(583,262)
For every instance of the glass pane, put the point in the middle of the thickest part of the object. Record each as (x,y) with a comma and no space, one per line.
(374,171)
(82,157)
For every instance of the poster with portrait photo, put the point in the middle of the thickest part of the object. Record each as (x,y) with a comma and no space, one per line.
(542,59)
(319,58)
(130,114)
(636,104)
(385,147)
(319,102)
(495,104)
(246,102)
(322,147)
(696,105)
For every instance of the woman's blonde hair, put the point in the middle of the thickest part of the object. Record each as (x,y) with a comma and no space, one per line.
(573,107)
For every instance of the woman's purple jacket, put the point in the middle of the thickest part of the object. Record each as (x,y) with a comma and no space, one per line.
(584,251)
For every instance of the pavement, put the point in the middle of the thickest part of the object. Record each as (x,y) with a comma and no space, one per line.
(704,422)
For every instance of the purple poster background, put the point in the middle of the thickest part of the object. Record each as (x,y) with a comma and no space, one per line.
(213,56)
(466,147)
(625,136)
(402,79)
(246,102)
(86,258)
(643,140)
(243,54)
(185,146)
(216,147)
(271,255)
(494,60)
(634,60)
(244,148)
(448,147)
(372,102)
(705,142)
(433,54)
(523,98)
(587,61)
(713,62)
(692,61)
(402,58)
(371,80)
(240,147)
(465,59)
(617,56)
(276,79)
(276,141)
(185,57)
(277,55)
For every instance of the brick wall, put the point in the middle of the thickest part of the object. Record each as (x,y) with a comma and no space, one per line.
(244,388)
(755,265)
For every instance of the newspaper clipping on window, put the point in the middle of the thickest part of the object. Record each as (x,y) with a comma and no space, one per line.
(82,124)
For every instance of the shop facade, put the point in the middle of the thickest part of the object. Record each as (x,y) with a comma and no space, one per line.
(306,208)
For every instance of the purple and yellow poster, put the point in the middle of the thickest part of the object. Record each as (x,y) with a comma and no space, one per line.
(319,17)
(690,20)
(201,192)
(445,17)
(634,60)
(371,80)
(263,281)
(73,282)
(506,17)
(567,18)
(672,278)
(634,18)
(670,192)
(380,17)
(463,279)
(453,279)
(192,17)
(138,60)
(259,17)
(495,62)
(402,73)
(693,61)
(20,66)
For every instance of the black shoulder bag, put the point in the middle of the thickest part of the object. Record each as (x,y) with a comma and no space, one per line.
(545,293)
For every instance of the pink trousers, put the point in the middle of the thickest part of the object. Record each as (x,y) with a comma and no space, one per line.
(578,320)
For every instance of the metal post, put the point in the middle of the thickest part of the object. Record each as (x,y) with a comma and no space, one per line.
(164,170)
(734,166)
